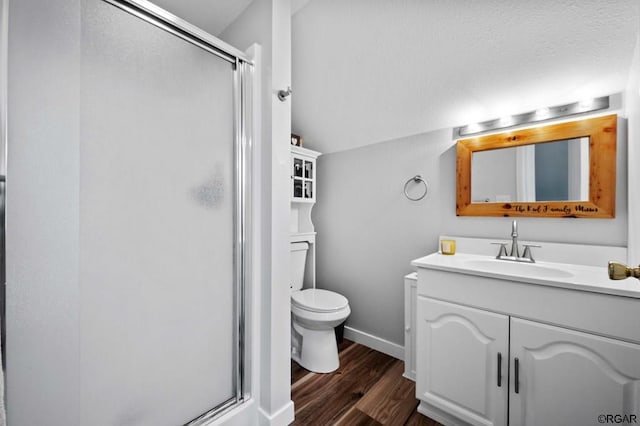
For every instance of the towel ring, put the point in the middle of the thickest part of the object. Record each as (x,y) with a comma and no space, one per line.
(416,179)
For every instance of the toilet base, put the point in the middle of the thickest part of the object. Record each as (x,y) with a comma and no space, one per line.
(319,350)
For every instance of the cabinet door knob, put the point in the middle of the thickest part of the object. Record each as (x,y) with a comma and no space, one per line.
(516,379)
(499,369)
(407,328)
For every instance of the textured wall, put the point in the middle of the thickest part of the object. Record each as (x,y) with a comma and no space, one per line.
(368,232)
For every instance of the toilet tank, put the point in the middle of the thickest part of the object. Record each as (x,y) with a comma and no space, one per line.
(298,260)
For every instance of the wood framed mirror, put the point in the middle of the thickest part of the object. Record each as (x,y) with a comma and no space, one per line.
(559,170)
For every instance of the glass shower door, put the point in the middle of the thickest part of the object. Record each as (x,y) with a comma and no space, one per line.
(159,336)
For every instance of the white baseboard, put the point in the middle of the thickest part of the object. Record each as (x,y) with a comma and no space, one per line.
(374,342)
(283,417)
(439,415)
(409,376)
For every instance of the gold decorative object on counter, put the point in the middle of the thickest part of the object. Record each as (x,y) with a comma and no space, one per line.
(448,246)
(618,271)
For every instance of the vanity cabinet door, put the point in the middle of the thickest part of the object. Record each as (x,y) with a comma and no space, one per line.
(459,350)
(566,377)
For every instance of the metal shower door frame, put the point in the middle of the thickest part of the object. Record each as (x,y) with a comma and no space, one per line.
(242,77)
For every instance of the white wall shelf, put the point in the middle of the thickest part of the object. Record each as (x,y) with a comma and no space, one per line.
(303,197)
(303,174)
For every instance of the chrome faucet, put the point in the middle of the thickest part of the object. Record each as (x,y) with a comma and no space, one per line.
(514,254)
(514,240)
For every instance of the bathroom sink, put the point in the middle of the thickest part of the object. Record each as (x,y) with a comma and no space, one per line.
(517,268)
(591,276)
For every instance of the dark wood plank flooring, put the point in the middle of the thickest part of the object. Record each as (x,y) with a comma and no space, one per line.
(367,389)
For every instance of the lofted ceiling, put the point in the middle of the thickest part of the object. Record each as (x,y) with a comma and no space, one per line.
(213,16)
(366,71)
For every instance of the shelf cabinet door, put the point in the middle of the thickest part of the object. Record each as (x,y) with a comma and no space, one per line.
(566,377)
(303,178)
(457,361)
(308,169)
(298,167)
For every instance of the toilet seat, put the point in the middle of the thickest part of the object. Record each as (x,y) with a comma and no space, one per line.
(318,300)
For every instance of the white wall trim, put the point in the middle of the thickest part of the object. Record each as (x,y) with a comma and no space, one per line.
(374,342)
(253,350)
(632,110)
(283,416)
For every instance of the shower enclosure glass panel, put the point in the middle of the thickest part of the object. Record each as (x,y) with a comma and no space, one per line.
(158,324)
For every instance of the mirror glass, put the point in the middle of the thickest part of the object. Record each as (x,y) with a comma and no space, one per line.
(550,171)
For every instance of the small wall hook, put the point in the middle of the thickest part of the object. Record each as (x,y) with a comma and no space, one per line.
(284,94)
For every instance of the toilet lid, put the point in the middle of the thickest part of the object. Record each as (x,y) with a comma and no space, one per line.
(317,300)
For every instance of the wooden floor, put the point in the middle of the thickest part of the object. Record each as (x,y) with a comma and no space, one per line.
(367,389)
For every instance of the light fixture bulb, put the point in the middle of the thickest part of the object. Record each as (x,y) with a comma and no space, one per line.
(506,121)
(473,127)
(542,113)
(585,104)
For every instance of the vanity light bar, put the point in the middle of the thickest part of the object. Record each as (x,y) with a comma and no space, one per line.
(536,116)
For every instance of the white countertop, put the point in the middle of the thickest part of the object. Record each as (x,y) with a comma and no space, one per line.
(583,278)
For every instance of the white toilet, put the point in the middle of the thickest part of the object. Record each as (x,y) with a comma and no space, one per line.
(314,314)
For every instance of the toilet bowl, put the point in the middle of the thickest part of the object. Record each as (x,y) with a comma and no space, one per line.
(314,314)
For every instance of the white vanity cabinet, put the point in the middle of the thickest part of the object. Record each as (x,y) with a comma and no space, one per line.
(577,352)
